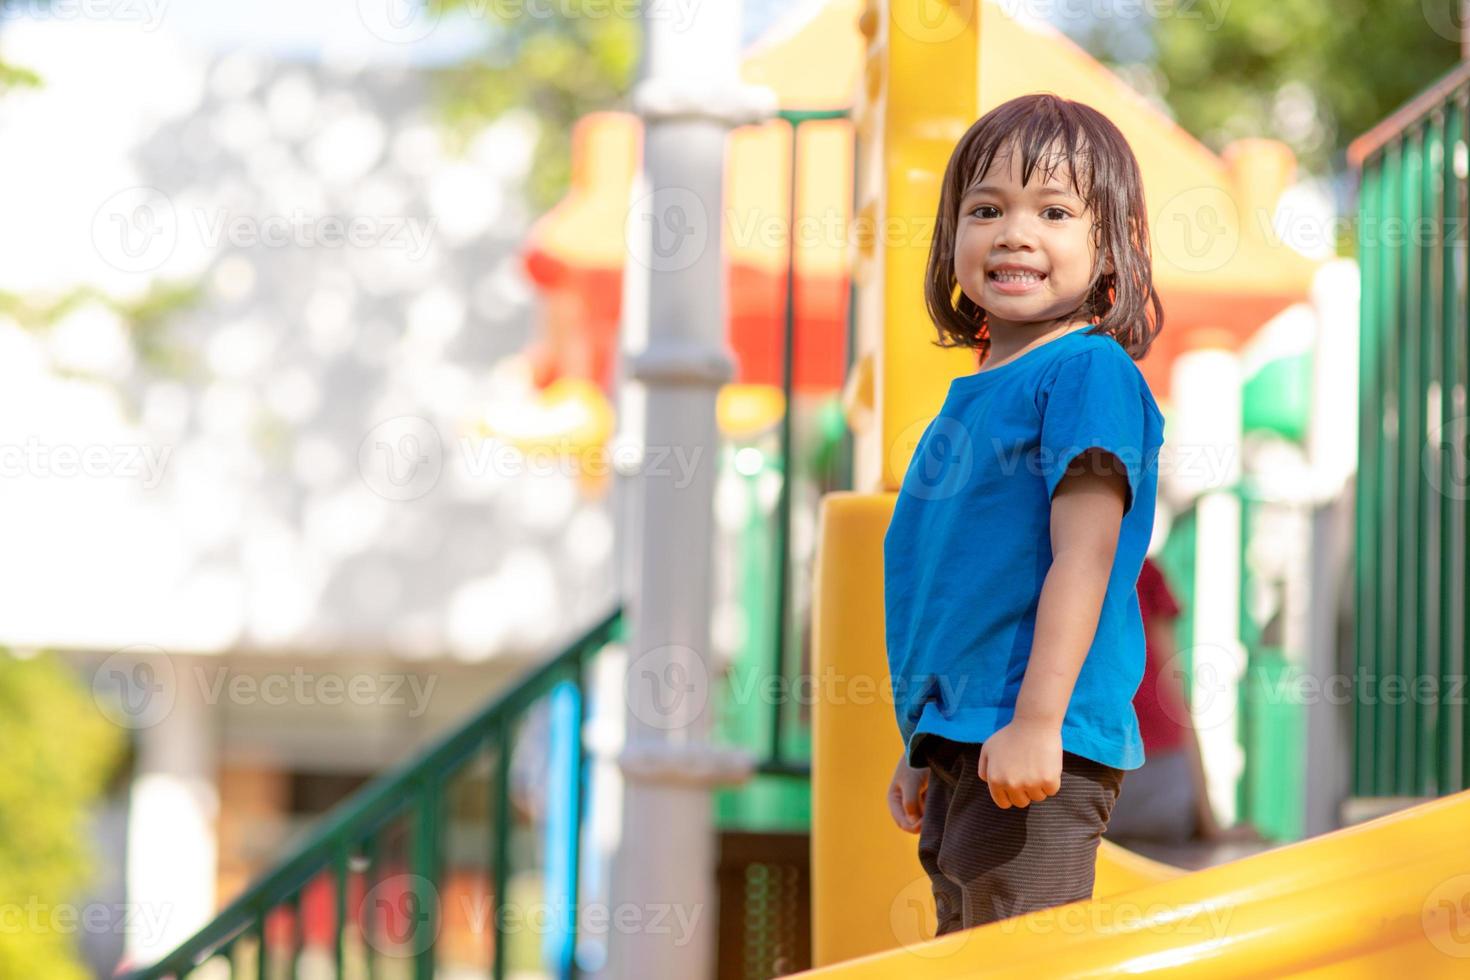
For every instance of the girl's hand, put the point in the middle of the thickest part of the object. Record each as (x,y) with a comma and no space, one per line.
(1022,764)
(906,795)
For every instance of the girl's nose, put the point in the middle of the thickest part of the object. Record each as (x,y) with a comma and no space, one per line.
(1014,233)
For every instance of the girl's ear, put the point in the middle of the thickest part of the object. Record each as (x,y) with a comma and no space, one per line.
(1107,268)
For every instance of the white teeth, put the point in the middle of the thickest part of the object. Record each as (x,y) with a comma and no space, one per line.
(1017,276)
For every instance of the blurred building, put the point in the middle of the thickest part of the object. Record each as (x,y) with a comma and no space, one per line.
(264,528)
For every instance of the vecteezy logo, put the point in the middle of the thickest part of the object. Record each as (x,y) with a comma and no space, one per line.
(1444,18)
(401,459)
(943,458)
(667,230)
(135,687)
(136,229)
(1201,697)
(907,916)
(1449,473)
(399,21)
(1197,230)
(1445,916)
(668,687)
(402,912)
(932,21)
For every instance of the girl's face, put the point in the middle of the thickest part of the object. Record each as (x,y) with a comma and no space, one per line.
(1024,254)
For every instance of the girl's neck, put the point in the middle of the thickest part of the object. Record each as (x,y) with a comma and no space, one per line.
(1012,341)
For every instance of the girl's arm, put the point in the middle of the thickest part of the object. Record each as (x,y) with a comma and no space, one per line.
(1086,518)
(1022,763)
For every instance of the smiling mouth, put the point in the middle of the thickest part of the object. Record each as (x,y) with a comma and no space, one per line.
(1011,276)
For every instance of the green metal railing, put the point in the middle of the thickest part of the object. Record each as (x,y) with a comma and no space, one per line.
(1410,567)
(356,849)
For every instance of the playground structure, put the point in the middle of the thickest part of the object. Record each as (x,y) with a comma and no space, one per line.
(1220,266)
(1385,910)
(1238,301)
(824,334)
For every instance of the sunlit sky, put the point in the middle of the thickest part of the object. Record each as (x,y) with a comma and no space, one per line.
(310,29)
(364,31)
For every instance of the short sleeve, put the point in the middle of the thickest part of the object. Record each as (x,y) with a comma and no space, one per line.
(1094,399)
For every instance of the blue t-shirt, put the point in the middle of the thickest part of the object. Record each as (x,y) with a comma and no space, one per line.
(969,546)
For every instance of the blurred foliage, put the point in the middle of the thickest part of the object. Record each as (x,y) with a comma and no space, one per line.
(560,66)
(14,76)
(1315,74)
(147,317)
(60,752)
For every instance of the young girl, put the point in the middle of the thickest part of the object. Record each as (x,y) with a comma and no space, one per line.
(1014,638)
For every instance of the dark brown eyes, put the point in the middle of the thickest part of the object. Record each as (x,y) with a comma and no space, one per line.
(1053,213)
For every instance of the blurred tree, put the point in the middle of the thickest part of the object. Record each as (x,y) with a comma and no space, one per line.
(1312,73)
(148,317)
(561,61)
(59,753)
(14,76)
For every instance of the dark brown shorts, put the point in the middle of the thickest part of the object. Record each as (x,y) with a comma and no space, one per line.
(986,863)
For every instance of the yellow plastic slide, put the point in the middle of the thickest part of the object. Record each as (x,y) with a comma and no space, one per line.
(1386,898)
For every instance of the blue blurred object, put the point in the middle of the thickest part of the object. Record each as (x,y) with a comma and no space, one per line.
(562,823)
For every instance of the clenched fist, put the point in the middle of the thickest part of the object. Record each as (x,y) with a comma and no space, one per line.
(906,795)
(1022,764)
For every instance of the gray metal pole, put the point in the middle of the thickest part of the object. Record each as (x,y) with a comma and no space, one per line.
(663,887)
(1329,745)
